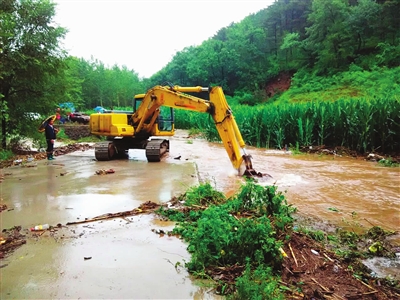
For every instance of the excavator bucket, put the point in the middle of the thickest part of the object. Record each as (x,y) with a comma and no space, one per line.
(250,172)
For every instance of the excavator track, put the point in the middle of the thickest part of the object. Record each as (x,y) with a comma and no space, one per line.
(104,151)
(155,149)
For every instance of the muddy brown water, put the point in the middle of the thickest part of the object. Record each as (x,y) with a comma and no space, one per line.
(127,259)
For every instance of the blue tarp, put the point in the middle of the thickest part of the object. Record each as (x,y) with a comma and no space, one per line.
(99,109)
(67,105)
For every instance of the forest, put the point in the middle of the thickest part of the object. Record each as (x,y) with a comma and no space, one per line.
(297,73)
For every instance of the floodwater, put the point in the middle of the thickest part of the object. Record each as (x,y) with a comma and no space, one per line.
(124,258)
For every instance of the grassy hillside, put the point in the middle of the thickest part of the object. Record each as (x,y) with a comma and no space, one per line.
(354,84)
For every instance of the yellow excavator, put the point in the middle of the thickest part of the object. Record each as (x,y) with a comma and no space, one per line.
(153,117)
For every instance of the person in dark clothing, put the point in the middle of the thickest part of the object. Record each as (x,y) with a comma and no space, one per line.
(51,135)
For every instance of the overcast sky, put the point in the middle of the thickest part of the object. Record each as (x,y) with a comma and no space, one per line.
(144,35)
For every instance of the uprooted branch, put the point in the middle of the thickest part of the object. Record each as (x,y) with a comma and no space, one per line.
(142,209)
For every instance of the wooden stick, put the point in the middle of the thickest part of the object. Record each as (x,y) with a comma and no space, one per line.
(328,257)
(327,290)
(238,219)
(289,270)
(337,296)
(127,220)
(322,287)
(199,206)
(367,285)
(132,212)
(371,292)
(294,257)
(284,283)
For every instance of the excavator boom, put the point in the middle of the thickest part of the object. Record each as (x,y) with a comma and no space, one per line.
(217,107)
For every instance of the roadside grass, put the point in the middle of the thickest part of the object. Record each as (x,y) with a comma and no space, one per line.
(6,154)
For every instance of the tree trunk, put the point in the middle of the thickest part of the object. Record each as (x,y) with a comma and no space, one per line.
(3,125)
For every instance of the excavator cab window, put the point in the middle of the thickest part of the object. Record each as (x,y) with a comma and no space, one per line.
(137,101)
(165,119)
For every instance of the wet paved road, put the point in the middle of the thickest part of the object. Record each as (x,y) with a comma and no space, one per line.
(127,260)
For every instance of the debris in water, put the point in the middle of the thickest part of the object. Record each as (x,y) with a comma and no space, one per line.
(158,231)
(10,239)
(104,172)
(40,227)
(3,207)
(17,161)
(146,207)
(314,252)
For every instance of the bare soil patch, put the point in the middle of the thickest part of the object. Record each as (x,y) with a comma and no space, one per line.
(320,274)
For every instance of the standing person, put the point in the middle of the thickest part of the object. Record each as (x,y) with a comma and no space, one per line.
(51,135)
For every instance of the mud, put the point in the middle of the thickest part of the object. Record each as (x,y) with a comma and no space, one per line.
(323,276)
(128,260)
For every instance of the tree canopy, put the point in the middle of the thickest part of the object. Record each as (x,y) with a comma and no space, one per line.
(32,64)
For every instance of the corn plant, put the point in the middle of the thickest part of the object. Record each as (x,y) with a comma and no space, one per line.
(360,124)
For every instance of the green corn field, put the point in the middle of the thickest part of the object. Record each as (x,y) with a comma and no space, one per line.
(362,125)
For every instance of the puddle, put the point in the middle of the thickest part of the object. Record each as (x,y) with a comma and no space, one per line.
(382,267)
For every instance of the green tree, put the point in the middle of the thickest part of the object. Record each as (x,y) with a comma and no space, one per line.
(31,60)
(72,82)
(328,35)
(363,22)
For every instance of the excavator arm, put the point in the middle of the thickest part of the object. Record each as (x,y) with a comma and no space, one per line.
(176,97)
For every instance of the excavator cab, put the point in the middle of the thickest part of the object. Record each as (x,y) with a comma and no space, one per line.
(137,101)
(165,119)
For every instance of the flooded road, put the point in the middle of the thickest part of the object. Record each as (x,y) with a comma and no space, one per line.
(346,191)
(128,260)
